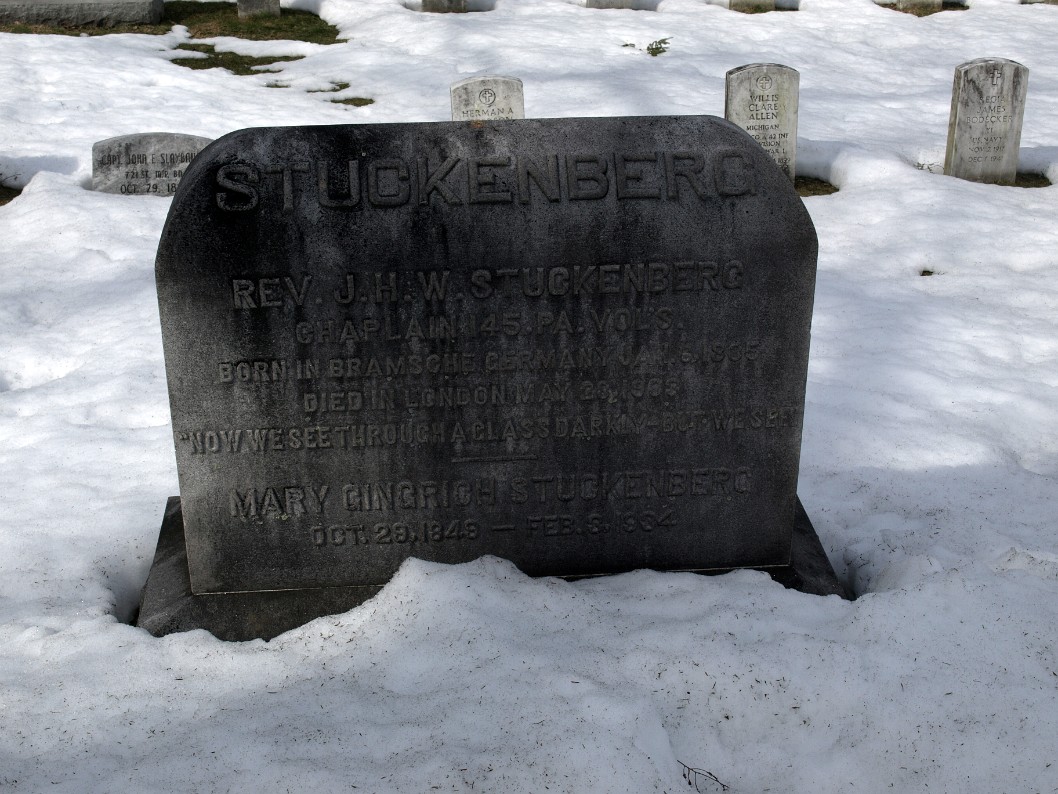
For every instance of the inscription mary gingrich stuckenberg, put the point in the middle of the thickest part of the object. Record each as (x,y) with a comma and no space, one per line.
(579,344)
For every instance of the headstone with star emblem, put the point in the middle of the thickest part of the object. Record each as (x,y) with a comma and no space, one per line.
(490,98)
(984,128)
(761,98)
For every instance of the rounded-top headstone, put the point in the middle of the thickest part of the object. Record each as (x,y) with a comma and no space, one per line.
(580,344)
(489,97)
(984,127)
(761,98)
(144,164)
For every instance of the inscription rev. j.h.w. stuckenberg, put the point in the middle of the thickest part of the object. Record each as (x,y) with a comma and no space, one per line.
(450,340)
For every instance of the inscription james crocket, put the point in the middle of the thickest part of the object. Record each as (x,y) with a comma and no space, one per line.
(580,344)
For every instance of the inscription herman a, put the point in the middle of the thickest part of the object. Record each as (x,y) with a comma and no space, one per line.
(580,344)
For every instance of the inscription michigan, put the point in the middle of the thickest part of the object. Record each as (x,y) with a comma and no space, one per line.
(447,340)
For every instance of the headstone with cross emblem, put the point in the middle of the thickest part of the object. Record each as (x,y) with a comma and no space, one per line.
(761,98)
(984,128)
(487,98)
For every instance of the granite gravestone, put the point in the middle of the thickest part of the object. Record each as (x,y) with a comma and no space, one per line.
(625,4)
(761,98)
(984,128)
(249,9)
(144,164)
(490,97)
(76,13)
(580,344)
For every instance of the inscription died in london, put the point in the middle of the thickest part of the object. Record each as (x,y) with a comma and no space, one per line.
(579,344)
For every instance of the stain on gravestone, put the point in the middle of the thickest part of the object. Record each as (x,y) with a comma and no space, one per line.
(490,97)
(761,98)
(580,344)
(145,164)
(984,128)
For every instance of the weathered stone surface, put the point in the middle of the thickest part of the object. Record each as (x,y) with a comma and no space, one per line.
(168,605)
(489,97)
(258,8)
(75,13)
(752,6)
(143,164)
(445,6)
(761,98)
(580,344)
(984,128)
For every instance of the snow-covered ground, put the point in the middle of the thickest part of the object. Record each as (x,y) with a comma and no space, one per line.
(929,464)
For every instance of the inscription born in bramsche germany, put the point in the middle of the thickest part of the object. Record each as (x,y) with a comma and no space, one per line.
(577,344)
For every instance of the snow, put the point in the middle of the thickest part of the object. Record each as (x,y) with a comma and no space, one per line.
(929,461)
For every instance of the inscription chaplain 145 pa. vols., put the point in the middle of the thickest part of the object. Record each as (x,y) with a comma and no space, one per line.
(448,340)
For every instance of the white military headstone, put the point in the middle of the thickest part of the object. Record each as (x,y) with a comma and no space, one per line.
(984,128)
(258,8)
(488,97)
(144,164)
(761,98)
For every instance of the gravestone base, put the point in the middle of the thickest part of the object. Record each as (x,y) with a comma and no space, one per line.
(168,606)
(77,13)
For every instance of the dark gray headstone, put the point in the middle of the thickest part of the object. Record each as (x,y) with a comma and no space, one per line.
(258,8)
(984,128)
(74,13)
(580,344)
(143,164)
